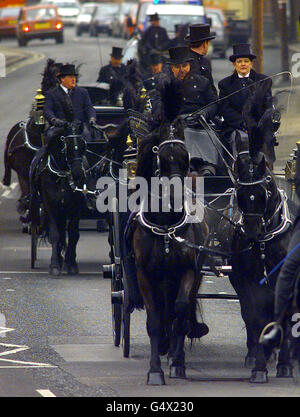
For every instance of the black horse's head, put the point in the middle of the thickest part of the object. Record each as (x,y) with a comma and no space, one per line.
(252,187)
(163,153)
(74,151)
(172,155)
(256,191)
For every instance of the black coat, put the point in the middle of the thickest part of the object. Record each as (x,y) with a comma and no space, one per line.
(187,96)
(231,108)
(77,106)
(154,37)
(114,76)
(202,66)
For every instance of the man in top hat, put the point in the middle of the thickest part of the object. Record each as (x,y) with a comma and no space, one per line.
(186,92)
(113,74)
(231,108)
(198,40)
(67,103)
(154,39)
(180,33)
(156,66)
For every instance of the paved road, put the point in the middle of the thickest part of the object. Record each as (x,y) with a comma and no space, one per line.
(55,334)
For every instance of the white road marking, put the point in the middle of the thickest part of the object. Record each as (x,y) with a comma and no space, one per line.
(45,393)
(4,330)
(9,192)
(23,364)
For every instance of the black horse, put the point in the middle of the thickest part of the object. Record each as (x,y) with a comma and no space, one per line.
(23,141)
(168,265)
(54,185)
(258,240)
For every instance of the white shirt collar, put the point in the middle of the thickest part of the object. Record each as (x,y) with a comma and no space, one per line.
(246,76)
(65,89)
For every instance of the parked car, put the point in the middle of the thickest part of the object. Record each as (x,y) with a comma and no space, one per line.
(83,20)
(144,4)
(39,22)
(219,26)
(8,21)
(102,19)
(119,23)
(172,14)
(67,9)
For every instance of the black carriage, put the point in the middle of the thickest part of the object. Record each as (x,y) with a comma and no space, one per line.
(108,118)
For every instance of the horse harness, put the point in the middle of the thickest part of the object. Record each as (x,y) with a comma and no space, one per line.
(26,144)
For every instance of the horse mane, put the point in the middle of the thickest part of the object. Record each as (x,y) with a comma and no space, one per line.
(258,127)
(49,79)
(171,97)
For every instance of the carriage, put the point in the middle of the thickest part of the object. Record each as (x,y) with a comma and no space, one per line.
(108,118)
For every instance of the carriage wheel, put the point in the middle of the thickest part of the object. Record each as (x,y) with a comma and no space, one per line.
(116,313)
(125,320)
(34,241)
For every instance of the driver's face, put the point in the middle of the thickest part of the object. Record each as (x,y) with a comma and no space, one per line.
(180,71)
(69,81)
(243,66)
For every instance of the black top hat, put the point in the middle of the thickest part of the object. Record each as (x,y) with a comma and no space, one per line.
(116,52)
(241,50)
(199,33)
(155,59)
(153,17)
(67,69)
(179,55)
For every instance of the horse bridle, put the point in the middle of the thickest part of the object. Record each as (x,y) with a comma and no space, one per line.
(157,150)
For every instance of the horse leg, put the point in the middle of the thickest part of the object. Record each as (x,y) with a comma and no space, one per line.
(284,366)
(23,202)
(73,238)
(154,327)
(181,325)
(54,237)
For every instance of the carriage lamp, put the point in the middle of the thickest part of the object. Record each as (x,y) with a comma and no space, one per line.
(143,93)
(38,112)
(290,167)
(129,158)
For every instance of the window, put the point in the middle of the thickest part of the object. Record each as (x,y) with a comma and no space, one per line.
(9,12)
(40,14)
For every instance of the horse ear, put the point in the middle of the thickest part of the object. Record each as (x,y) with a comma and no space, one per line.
(261,167)
(238,165)
(238,141)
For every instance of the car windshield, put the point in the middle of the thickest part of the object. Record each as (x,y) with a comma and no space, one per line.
(107,9)
(87,10)
(215,20)
(66,4)
(169,21)
(126,7)
(40,14)
(9,12)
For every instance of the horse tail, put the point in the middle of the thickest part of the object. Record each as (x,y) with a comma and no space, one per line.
(7,172)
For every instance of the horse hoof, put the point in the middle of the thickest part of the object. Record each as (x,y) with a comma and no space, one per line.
(259,377)
(177,372)
(72,270)
(156,378)
(54,271)
(284,371)
(249,362)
